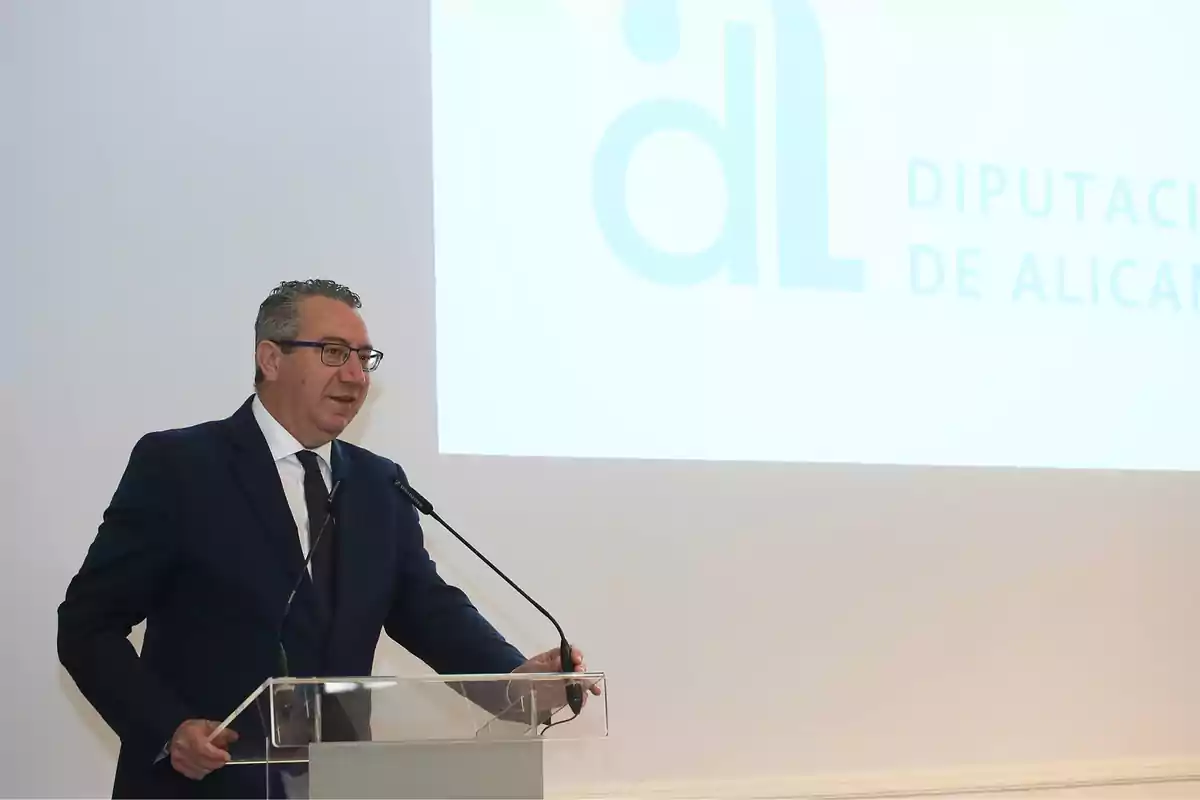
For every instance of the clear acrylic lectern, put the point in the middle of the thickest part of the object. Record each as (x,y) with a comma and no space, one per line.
(455,736)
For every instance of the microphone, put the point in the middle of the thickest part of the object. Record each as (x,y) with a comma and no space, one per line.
(574,688)
(316,541)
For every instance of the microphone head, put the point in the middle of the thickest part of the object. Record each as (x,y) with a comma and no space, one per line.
(414,497)
(419,503)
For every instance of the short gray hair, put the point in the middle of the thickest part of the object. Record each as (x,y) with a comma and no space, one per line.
(279,315)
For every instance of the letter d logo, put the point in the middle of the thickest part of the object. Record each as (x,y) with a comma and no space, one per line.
(652,32)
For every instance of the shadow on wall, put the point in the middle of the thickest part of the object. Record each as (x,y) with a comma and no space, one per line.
(96,727)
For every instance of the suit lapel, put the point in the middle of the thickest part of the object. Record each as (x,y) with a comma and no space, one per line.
(258,478)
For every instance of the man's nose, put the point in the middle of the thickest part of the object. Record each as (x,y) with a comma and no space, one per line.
(352,371)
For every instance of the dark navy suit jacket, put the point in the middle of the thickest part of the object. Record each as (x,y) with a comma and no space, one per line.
(199,542)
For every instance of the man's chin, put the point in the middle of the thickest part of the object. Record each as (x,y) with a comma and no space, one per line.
(334,423)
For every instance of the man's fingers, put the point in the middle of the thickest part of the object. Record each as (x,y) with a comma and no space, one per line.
(197,758)
(204,759)
(212,756)
(225,738)
(193,755)
(581,666)
(192,766)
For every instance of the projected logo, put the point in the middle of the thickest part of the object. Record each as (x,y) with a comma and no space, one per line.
(652,33)
(1008,234)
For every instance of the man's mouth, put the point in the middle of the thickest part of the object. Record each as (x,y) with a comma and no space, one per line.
(344,399)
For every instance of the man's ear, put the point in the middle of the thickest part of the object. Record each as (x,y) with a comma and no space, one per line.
(267,356)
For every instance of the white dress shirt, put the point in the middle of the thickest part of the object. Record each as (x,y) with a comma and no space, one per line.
(291,472)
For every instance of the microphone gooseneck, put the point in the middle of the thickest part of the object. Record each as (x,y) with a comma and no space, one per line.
(287,608)
(418,501)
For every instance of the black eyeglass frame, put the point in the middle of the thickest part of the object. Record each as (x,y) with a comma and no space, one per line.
(368,356)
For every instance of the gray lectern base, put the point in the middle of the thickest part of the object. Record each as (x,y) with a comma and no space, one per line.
(428,770)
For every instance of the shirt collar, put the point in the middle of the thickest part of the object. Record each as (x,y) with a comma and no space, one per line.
(281,443)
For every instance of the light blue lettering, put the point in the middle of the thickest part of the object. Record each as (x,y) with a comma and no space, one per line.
(1114,283)
(1064,294)
(967,272)
(916,198)
(1080,179)
(652,32)
(801,152)
(1155,213)
(992,182)
(1047,195)
(1164,291)
(735,249)
(1121,201)
(920,255)
(1029,280)
(960,187)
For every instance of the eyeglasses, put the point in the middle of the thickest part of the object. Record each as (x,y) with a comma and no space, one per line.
(335,354)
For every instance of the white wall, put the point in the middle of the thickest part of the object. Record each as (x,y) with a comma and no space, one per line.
(166,163)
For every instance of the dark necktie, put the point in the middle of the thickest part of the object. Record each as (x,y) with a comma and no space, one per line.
(316,498)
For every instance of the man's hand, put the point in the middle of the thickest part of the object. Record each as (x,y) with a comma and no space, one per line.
(193,755)
(551,661)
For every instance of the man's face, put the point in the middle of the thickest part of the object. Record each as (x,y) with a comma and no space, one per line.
(318,400)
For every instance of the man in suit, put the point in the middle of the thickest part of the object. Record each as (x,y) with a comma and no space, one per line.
(206,536)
